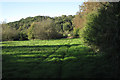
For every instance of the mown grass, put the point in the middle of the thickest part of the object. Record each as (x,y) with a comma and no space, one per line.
(64,58)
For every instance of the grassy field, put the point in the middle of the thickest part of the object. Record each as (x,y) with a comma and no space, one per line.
(63,58)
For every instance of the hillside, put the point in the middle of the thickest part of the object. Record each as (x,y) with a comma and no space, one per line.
(26,23)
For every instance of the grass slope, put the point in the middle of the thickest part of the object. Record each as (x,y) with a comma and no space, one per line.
(64,58)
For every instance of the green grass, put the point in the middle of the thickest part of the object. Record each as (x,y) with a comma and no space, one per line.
(63,58)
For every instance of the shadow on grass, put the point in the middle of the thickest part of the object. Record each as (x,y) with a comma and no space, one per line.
(39,46)
(59,61)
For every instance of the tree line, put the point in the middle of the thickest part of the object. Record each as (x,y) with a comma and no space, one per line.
(97,23)
(43,26)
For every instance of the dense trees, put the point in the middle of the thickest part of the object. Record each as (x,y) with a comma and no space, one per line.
(27,21)
(99,26)
(98,22)
(30,31)
(45,29)
(81,18)
(86,8)
(102,28)
(27,28)
(9,33)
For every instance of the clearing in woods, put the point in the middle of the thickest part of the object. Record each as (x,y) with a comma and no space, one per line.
(63,58)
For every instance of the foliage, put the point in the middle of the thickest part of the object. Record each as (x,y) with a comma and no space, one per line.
(30,31)
(102,29)
(9,33)
(26,23)
(44,30)
(0,32)
(97,23)
(76,32)
(86,8)
(79,21)
(26,29)
(66,26)
(23,36)
(64,22)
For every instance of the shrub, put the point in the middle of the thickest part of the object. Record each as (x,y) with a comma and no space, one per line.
(23,36)
(102,29)
(44,30)
(0,32)
(8,33)
(75,32)
(30,31)
(66,26)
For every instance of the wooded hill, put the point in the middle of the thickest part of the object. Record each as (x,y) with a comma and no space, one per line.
(64,22)
(25,29)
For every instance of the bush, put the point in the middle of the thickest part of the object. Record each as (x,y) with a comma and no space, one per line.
(8,33)
(44,30)
(0,32)
(76,32)
(23,36)
(102,29)
(30,31)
